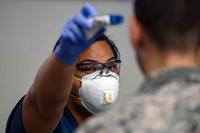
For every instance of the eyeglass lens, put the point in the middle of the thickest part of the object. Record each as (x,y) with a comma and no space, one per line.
(88,68)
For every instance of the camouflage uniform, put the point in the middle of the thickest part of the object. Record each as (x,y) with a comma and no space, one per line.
(168,102)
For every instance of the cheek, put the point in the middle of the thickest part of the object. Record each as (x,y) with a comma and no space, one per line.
(75,87)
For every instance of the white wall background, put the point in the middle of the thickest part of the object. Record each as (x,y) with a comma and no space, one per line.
(28,32)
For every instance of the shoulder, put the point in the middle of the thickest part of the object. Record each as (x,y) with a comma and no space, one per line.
(173,107)
(167,103)
(67,123)
(15,123)
(146,113)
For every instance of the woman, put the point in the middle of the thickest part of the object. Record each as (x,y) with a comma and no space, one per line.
(78,79)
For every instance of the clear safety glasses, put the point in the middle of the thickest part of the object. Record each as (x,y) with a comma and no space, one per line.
(90,67)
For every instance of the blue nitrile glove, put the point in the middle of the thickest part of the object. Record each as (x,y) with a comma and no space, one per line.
(73,39)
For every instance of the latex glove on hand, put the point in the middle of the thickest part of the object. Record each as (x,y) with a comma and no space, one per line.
(73,40)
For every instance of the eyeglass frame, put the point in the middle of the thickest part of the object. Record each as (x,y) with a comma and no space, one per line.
(103,66)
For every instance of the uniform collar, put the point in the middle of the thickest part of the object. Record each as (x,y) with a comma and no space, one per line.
(156,80)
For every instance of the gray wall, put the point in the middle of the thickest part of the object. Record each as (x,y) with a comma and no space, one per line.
(28,32)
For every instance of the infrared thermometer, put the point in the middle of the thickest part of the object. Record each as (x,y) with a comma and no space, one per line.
(102,21)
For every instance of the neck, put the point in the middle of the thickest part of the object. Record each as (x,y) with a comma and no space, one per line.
(78,111)
(171,60)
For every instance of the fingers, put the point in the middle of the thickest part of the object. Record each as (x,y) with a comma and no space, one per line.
(73,31)
(88,11)
(76,26)
(82,21)
(74,39)
(68,31)
(77,31)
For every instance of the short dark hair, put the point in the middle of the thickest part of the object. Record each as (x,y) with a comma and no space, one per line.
(170,23)
(111,44)
(108,41)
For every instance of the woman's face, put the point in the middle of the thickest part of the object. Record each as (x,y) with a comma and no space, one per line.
(99,52)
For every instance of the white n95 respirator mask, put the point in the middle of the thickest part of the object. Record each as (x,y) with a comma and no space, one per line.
(99,90)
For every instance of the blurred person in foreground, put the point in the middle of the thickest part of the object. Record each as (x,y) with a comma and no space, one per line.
(80,78)
(165,35)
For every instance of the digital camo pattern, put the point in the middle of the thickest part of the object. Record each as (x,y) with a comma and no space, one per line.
(166,103)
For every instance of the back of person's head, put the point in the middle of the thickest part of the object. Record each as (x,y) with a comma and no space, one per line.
(172,24)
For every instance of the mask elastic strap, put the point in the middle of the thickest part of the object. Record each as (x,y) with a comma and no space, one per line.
(76,78)
(78,99)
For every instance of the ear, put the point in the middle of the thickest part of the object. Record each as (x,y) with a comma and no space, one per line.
(136,32)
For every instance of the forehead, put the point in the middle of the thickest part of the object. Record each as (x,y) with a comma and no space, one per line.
(99,51)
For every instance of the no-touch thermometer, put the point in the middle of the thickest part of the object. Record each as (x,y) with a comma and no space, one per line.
(102,21)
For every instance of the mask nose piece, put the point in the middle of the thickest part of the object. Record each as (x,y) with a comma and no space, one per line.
(104,70)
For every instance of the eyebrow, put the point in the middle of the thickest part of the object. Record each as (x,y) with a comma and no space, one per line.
(111,58)
(93,61)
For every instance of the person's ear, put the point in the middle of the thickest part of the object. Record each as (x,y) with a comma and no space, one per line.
(136,32)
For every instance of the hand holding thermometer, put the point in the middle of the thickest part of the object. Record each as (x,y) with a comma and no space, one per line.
(73,41)
(102,21)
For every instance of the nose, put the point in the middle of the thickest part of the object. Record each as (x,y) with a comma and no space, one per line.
(104,70)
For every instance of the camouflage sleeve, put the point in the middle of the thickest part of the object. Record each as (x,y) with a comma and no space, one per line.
(169,110)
